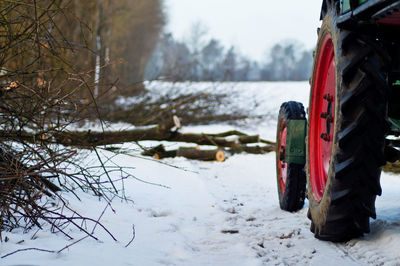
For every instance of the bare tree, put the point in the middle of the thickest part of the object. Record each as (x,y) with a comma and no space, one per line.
(287,61)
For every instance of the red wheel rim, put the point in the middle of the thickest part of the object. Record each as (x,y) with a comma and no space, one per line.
(322,117)
(282,165)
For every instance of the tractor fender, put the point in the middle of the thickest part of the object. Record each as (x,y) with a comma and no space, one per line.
(295,142)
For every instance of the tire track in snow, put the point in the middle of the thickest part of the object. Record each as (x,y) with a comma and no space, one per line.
(244,189)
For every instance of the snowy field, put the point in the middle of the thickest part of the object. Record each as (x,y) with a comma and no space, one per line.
(209,213)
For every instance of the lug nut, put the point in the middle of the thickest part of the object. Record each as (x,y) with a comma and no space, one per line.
(326,116)
(325,137)
(327,97)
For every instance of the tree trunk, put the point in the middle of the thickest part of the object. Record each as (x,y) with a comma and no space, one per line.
(98,40)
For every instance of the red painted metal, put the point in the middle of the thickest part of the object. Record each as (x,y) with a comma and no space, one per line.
(393,19)
(322,117)
(282,165)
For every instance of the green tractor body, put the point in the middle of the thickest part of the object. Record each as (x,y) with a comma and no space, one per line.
(346,5)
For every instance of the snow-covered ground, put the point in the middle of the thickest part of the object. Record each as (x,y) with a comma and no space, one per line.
(209,213)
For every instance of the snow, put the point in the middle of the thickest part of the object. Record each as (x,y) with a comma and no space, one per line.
(187,217)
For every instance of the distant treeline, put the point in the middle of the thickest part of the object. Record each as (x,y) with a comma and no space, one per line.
(194,60)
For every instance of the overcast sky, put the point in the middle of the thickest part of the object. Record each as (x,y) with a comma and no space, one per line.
(253,26)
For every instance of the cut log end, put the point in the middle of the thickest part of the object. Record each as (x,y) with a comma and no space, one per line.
(220,156)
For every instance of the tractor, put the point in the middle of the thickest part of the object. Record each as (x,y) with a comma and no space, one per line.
(333,154)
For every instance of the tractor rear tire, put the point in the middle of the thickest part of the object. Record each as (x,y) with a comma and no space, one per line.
(346,133)
(291,178)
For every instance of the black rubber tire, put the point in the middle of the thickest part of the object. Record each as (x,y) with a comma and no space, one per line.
(293,198)
(359,133)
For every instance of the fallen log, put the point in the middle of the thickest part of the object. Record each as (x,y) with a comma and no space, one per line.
(203,155)
(91,138)
(159,152)
(195,153)
(158,133)
(205,139)
(228,133)
(88,138)
(252,149)
(232,141)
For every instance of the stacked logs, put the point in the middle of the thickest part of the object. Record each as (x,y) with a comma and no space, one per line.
(230,142)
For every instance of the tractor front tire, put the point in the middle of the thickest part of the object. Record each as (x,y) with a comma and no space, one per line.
(346,132)
(291,178)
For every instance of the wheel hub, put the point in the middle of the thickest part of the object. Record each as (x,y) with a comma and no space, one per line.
(328,116)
